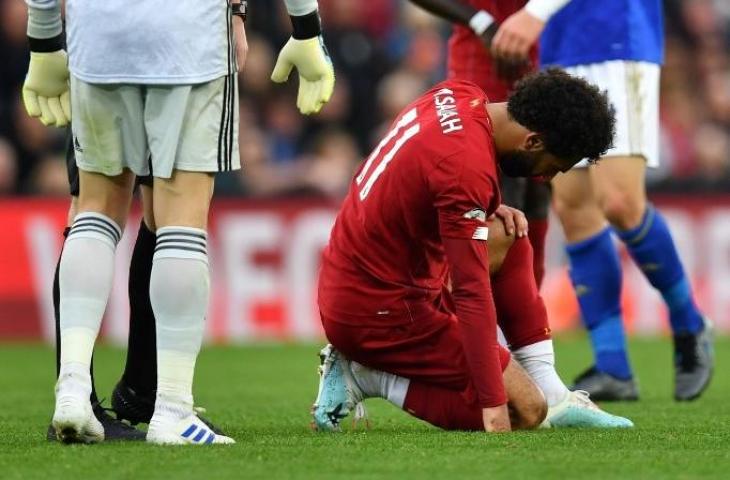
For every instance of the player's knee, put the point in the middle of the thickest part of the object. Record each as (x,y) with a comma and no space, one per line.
(498,245)
(623,210)
(566,207)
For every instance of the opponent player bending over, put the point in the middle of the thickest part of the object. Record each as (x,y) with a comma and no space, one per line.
(417,210)
(174,98)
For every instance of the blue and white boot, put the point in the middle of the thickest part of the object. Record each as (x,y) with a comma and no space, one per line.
(188,431)
(338,392)
(577,410)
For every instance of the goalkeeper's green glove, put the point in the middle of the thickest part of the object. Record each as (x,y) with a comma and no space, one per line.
(306,51)
(46,88)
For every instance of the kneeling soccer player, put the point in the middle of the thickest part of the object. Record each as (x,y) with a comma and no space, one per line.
(416,213)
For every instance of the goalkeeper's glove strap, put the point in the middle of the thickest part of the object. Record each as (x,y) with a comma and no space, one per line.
(306,26)
(46,45)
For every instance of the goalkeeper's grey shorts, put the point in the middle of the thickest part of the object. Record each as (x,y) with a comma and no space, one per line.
(180,127)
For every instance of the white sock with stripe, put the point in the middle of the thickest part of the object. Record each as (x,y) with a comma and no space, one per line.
(85,281)
(538,360)
(179,290)
(377,384)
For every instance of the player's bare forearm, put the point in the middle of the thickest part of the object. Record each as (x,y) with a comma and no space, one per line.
(451,10)
(469,266)
(239,32)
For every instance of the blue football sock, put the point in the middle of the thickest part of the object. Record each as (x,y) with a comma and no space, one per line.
(595,270)
(652,248)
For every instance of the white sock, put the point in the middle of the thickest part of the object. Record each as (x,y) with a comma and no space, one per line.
(375,383)
(538,360)
(85,280)
(179,291)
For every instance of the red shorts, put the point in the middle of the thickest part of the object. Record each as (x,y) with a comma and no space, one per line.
(429,350)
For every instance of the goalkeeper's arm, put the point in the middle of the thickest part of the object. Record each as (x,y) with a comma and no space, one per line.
(306,51)
(46,90)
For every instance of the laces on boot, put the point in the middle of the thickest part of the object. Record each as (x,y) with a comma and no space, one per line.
(584,398)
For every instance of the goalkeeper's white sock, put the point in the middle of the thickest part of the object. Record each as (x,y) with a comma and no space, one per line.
(375,383)
(85,281)
(179,290)
(538,360)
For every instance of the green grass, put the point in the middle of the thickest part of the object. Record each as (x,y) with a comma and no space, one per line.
(262,395)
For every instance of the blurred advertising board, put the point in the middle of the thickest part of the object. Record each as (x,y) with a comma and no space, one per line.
(265,257)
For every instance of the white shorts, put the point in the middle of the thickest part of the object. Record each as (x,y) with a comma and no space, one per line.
(155,129)
(633,89)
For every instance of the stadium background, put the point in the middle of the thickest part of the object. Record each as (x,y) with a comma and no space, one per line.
(270,221)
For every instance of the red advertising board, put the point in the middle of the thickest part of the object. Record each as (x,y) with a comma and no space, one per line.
(265,257)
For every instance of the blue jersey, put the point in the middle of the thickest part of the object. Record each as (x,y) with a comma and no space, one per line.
(594,31)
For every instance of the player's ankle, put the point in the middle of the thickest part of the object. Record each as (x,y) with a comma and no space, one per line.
(170,409)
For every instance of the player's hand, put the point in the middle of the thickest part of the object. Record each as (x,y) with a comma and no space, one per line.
(515,222)
(496,419)
(316,73)
(239,32)
(517,35)
(46,88)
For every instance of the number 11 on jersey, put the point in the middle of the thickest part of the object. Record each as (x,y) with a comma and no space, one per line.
(382,158)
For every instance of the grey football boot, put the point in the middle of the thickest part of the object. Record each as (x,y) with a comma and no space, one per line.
(604,387)
(693,363)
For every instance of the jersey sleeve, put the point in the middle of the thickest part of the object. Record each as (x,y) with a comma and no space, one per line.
(475,311)
(463,196)
(44,18)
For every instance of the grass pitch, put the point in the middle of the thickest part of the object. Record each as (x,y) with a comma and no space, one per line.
(261,395)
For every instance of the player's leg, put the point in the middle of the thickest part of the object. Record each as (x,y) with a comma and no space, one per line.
(192,134)
(620,187)
(133,397)
(85,279)
(452,410)
(537,209)
(643,230)
(113,428)
(420,368)
(109,145)
(179,292)
(523,319)
(595,271)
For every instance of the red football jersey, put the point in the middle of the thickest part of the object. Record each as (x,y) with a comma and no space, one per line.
(427,188)
(434,174)
(470,60)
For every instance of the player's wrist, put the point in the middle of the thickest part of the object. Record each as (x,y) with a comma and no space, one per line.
(46,45)
(239,9)
(306,26)
(480,22)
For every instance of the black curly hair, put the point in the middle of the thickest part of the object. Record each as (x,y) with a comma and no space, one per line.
(573,117)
